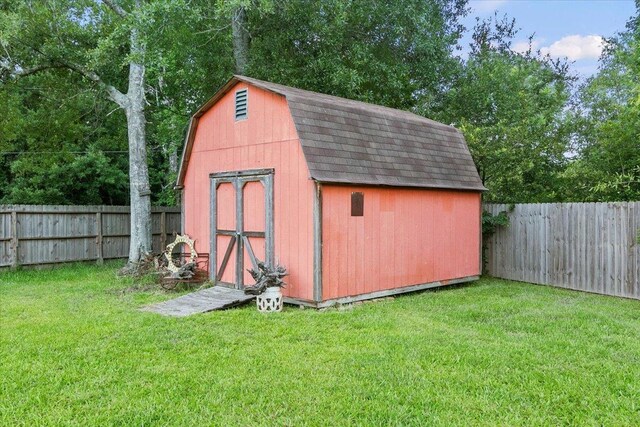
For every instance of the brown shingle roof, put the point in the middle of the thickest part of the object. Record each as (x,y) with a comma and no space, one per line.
(346,141)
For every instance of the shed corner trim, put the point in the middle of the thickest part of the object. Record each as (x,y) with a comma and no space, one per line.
(317,242)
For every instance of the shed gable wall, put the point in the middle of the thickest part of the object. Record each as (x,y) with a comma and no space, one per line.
(405,237)
(267,138)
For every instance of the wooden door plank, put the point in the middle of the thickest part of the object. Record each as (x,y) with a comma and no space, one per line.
(252,255)
(225,260)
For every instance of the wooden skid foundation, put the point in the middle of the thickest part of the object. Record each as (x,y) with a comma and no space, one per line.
(379,294)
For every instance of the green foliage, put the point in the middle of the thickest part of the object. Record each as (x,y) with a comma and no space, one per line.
(530,141)
(62,146)
(189,57)
(396,54)
(60,124)
(76,350)
(86,179)
(62,151)
(607,165)
(388,53)
(491,222)
(510,107)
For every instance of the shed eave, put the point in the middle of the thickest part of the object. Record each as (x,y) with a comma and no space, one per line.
(403,185)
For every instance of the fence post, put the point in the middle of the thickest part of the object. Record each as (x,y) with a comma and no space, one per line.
(163,231)
(14,239)
(481,243)
(100,258)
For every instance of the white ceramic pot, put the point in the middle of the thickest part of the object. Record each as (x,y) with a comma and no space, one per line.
(270,300)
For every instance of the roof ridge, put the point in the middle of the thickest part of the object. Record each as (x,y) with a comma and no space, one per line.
(289,90)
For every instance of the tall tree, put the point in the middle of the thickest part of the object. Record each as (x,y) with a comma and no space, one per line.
(397,54)
(81,37)
(241,38)
(607,143)
(510,107)
(56,119)
(189,55)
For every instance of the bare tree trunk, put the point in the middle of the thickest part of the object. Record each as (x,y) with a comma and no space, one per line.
(140,191)
(173,161)
(241,39)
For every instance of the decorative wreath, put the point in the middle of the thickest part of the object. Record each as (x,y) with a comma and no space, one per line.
(180,238)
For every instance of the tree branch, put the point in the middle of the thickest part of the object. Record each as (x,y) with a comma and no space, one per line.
(18,71)
(115,95)
(116,8)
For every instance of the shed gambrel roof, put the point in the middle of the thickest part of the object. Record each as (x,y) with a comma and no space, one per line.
(352,142)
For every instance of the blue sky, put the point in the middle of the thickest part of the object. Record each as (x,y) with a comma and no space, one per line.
(563,28)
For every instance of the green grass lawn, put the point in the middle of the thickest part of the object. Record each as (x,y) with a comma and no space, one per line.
(75,350)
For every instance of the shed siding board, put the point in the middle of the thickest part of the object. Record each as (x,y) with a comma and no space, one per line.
(266,139)
(406,237)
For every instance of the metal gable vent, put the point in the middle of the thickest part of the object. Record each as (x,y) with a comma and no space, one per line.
(241,104)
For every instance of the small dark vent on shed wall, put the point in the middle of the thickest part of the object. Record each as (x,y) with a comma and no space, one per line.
(241,104)
(357,204)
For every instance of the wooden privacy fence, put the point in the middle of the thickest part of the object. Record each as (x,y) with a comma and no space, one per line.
(31,235)
(590,247)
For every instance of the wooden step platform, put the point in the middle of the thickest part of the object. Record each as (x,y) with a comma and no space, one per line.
(215,298)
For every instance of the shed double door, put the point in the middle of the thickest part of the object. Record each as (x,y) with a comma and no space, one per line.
(241,225)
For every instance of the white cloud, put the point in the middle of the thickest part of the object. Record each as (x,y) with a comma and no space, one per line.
(486,5)
(575,47)
(523,45)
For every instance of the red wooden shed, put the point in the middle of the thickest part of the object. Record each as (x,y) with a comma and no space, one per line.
(357,200)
